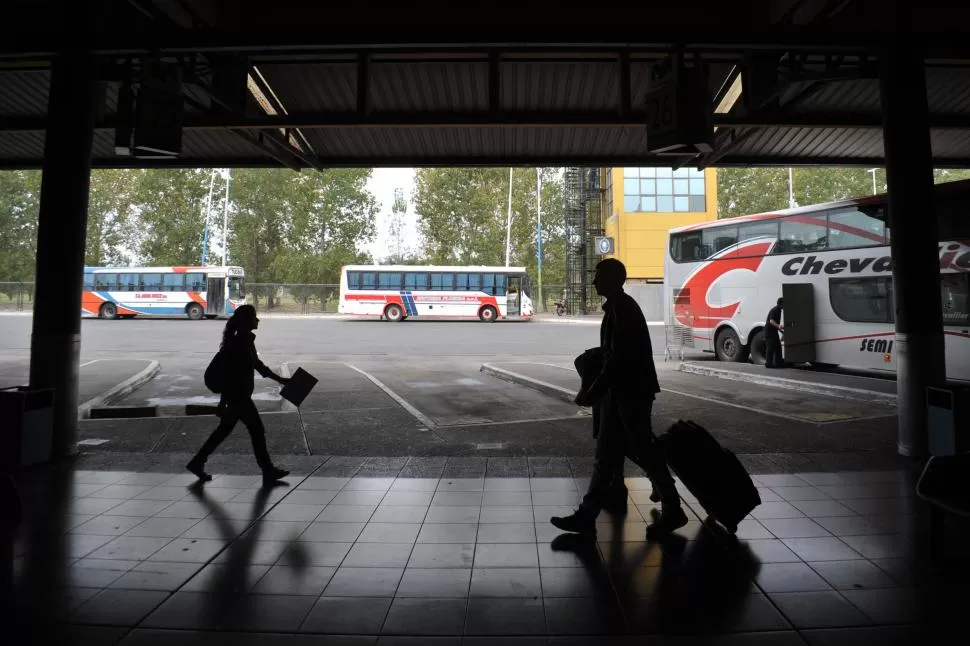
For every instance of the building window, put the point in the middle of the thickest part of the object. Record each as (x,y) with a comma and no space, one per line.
(664,190)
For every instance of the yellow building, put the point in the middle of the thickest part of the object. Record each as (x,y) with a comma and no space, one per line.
(642,204)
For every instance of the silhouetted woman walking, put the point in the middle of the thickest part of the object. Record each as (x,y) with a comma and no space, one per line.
(236,401)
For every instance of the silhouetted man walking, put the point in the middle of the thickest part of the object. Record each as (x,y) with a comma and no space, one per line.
(625,387)
(773,326)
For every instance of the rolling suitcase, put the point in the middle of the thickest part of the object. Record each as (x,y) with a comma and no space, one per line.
(711,472)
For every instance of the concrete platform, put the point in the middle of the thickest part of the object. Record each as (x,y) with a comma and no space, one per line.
(832,384)
(460,551)
(102,382)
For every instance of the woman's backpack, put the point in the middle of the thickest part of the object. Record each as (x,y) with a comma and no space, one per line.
(215,374)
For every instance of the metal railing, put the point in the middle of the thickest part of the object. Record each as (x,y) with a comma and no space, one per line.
(16,296)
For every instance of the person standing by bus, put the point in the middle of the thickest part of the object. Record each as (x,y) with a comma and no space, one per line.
(625,388)
(773,326)
(236,400)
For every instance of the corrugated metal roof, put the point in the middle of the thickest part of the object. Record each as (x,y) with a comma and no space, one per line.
(489,142)
(313,87)
(24,93)
(455,89)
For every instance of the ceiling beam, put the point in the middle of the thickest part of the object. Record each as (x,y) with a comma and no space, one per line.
(486,119)
(365,161)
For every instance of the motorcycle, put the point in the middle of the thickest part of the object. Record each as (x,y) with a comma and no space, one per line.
(560,307)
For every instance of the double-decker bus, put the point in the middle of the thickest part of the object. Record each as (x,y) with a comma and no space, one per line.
(831,264)
(400,292)
(195,292)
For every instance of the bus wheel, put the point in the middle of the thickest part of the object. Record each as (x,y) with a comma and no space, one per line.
(488,314)
(757,348)
(109,311)
(194,312)
(394,313)
(728,347)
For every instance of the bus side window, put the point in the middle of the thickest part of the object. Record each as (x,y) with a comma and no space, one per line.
(461,282)
(442,282)
(862,300)
(389,280)
(106,282)
(151,282)
(128,282)
(474,282)
(955,296)
(500,284)
(854,228)
(416,281)
(173,282)
(195,282)
(88,282)
(488,284)
(809,233)
(717,239)
(353,280)
(368,280)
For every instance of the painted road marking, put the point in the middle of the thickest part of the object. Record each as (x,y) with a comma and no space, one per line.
(88,363)
(418,415)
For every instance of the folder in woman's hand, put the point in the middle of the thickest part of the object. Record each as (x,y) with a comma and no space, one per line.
(300,385)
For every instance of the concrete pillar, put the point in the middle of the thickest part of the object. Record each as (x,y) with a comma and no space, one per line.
(56,339)
(916,265)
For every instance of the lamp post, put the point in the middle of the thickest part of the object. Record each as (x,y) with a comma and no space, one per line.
(872,171)
(508,224)
(539,232)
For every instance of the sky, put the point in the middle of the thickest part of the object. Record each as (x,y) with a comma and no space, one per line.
(382,183)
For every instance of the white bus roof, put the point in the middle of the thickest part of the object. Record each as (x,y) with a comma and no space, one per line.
(457,268)
(163,270)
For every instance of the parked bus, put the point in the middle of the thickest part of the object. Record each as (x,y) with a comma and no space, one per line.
(195,292)
(399,292)
(831,264)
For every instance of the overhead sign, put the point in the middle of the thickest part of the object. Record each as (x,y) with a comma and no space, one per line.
(678,109)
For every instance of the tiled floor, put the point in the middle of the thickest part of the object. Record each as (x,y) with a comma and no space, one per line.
(146,558)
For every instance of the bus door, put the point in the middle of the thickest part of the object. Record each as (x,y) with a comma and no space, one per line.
(215,296)
(513,302)
(799,320)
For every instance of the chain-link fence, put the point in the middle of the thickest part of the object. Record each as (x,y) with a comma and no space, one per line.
(16,296)
(274,298)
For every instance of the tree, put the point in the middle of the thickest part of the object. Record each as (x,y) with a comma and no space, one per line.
(171,215)
(19,203)
(743,191)
(463,214)
(112,218)
(300,227)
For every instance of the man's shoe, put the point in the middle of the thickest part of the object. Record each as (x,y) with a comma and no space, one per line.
(198,469)
(577,523)
(670,520)
(272,474)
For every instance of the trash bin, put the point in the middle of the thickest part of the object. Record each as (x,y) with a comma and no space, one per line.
(948,423)
(28,427)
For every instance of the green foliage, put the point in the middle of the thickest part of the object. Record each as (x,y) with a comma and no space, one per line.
(299,227)
(463,214)
(19,201)
(744,191)
(171,205)
(112,234)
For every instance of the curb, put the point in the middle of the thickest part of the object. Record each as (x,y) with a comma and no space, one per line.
(123,389)
(842,392)
(551,390)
